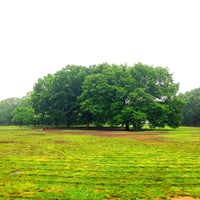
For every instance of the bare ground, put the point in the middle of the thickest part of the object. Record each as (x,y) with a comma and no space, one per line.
(184,198)
(141,136)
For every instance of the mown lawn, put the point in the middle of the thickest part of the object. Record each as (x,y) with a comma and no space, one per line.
(80,164)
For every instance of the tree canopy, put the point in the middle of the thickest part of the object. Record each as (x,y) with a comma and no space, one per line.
(104,94)
(55,97)
(122,95)
(23,114)
(7,106)
(191,109)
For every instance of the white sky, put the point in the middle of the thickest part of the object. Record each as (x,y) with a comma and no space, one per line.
(38,37)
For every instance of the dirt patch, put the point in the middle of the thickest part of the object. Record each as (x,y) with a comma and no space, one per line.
(140,136)
(38,134)
(6,142)
(61,141)
(150,138)
(185,198)
(195,133)
(58,141)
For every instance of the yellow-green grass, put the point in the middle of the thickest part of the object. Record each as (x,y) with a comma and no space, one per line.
(67,164)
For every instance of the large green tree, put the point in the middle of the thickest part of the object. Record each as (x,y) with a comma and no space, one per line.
(55,97)
(131,96)
(65,90)
(108,94)
(158,84)
(104,93)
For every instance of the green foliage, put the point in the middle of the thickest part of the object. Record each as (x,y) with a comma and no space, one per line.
(75,164)
(115,95)
(174,108)
(7,107)
(191,111)
(56,96)
(65,89)
(23,115)
(40,97)
(121,95)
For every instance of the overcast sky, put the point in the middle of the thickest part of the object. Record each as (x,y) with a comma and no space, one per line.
(38,37)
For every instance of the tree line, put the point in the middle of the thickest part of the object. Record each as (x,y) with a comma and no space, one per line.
(104,94)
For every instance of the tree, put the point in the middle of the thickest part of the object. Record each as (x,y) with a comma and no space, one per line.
(139,103)
(174,108)
(108,94)
(65,89)
(40,97)
(158,83)
(104,93)
(56,96)
(7,107)
(95,99)
(191,109)
(23,114)
(117,94)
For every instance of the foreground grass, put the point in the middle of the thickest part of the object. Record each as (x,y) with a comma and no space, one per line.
(36,164)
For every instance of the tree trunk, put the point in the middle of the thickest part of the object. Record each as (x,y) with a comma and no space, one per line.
(87,120)
(87,125)
(68,120)
(43,120)
(127,126)
(68,124)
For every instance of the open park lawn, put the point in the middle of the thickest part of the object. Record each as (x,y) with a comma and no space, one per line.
(82,164)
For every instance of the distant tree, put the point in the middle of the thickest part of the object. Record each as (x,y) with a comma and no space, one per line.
(23,114)
(191,109)
(7,107)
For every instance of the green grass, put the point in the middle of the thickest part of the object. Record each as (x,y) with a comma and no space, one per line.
(36,164)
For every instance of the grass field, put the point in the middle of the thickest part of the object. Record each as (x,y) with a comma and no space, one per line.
(80,164)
